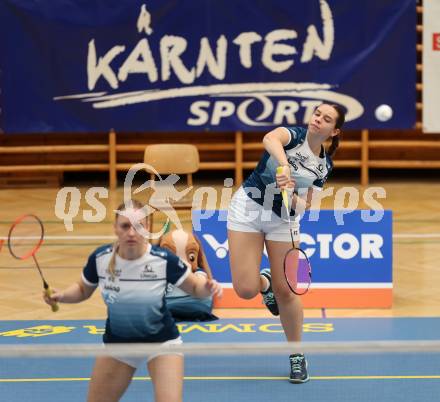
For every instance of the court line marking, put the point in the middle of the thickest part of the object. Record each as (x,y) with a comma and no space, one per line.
(241,378)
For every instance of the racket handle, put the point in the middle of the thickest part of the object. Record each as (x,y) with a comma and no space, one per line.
(283,192)
(55,307)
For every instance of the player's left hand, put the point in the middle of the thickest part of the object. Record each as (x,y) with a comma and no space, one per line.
(214,287)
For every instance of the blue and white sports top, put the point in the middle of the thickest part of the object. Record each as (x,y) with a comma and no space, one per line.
(174,292)
(307,169)
(135,298)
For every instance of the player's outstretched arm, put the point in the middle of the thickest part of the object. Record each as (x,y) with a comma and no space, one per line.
(75,293)
(274,141)
(201,286)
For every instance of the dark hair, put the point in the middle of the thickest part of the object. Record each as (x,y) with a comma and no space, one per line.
(333,146)
(340,120)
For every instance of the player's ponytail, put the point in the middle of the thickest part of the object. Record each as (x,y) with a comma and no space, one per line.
(333,146)
(112,263)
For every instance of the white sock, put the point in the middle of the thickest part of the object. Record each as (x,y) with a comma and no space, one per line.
(266,284)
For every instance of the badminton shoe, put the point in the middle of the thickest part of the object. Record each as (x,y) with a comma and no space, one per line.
(298,369)
(268,296)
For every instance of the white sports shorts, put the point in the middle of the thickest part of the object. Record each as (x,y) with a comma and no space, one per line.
(246,215)
(137,362)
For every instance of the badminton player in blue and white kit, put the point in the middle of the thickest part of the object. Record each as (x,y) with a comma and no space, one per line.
(255,217)
(132,276)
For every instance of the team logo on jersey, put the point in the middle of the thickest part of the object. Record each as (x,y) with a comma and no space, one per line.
(111,277)
(300,157)
(109,286)
(148,272)
(298,160)
(148,268)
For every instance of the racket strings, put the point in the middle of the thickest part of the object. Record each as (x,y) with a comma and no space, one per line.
(25,237)
(297,271)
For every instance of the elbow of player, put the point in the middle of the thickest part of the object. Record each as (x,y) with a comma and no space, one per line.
(268,139)
(84,294)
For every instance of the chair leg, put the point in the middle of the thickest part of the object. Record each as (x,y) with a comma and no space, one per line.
(150,223)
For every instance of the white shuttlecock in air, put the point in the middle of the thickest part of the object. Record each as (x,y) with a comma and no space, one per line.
(383,113)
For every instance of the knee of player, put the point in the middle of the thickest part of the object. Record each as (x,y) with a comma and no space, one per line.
(245,292)
(283,294)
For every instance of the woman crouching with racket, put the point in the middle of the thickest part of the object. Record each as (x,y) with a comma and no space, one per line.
(132,276)
(266,211)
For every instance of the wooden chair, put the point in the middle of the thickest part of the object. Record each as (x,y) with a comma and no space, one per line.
(167,159)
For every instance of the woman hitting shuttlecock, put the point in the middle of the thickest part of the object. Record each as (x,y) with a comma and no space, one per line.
(255,217)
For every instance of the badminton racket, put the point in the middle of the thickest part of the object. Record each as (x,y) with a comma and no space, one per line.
(25,237)
(297,268)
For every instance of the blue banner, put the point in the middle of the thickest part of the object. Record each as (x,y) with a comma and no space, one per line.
(203,64)
(353,247)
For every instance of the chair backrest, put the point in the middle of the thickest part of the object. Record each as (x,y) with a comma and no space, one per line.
(172,158)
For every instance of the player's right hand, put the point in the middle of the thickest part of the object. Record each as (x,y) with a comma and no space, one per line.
(54,298)
(284,179)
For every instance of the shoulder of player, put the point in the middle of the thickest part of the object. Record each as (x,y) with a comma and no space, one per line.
(161,252)
(299,131)
(298,134)
(103,250)
(169,256)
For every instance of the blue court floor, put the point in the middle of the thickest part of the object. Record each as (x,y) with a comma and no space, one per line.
(359,377)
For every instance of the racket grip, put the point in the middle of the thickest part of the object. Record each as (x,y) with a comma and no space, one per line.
(55,307)
(283,192)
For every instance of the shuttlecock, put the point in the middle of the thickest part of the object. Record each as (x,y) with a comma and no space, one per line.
(383,113)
